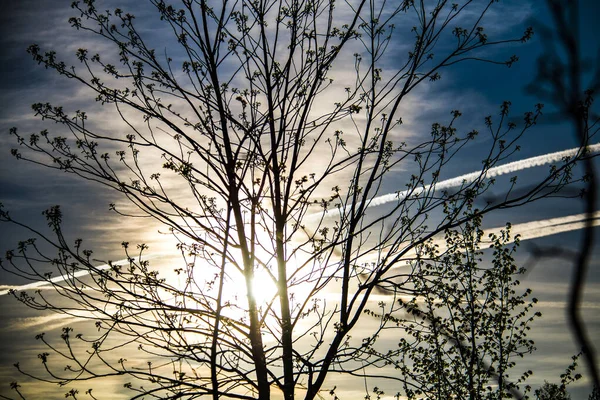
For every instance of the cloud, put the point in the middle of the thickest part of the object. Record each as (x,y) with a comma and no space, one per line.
(48,322)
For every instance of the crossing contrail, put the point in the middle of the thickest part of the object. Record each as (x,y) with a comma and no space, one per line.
(541,228)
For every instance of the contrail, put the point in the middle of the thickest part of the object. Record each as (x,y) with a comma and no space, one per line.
(78,274)
(552,226)
(56,279)
(491,173)
(526,231)
(468,178)
(545,227)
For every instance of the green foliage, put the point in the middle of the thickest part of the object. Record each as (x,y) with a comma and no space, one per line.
(551,391)
(469,320)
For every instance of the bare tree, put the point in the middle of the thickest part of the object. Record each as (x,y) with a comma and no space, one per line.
(270,166)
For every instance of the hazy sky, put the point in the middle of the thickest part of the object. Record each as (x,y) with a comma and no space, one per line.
(474,88)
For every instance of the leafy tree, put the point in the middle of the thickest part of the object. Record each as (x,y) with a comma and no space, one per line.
(269,168)
(559,392)
(552,391)
(468,322)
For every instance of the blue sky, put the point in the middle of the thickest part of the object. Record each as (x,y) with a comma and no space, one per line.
(476,89)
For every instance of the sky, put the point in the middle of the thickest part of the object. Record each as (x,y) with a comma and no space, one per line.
(476,89)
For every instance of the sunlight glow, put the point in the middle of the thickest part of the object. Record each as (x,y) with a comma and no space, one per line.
(263,287)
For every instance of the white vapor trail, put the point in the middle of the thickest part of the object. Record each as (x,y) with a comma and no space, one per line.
(62,278)
(552,226)
(56,279)
(526,231)
(491,173)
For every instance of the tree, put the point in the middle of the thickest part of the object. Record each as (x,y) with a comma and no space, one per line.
(468,321)
(560,80)
(559,392)
(551,391)
(269,167)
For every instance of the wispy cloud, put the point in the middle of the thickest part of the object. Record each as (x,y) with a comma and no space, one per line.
(49,322)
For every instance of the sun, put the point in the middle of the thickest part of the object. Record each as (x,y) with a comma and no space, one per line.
(264,288)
